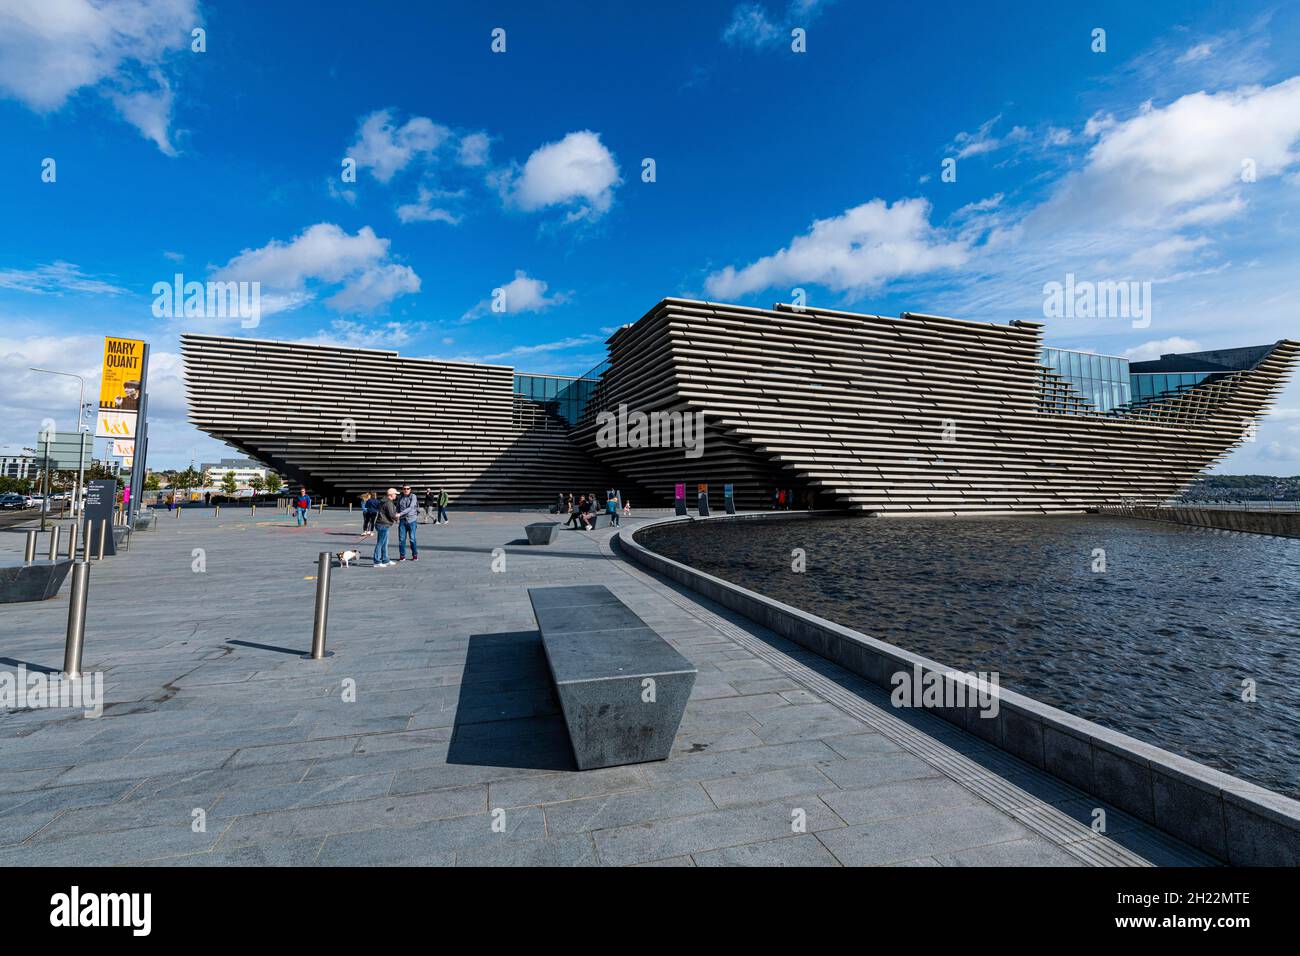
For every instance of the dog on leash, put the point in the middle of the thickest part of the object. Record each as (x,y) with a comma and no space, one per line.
(346,558)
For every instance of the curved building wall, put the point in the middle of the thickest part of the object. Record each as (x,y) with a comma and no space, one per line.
(909,414)
(344,420)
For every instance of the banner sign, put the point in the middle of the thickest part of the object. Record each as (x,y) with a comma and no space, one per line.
(101,496)
(703,491)
(124,449)
(679,498)
(120,388)
(729,498)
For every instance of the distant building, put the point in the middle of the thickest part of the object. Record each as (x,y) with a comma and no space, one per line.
(18,462)
(245,469)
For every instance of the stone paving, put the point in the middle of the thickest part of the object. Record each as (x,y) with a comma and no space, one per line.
(453,751)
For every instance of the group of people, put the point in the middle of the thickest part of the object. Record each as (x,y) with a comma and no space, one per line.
(582,512)
(380,512)
(783,499)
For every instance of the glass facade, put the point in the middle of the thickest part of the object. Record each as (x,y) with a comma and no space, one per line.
(1103,380)
(1149,385)
(562,396)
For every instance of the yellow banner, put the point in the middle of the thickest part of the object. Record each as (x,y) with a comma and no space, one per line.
(119,389)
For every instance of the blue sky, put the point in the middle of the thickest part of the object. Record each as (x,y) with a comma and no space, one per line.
(522,170)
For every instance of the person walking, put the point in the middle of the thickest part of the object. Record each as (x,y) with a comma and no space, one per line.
(443,498)
(612,507)
(585,511)
(559,503)
(369,508)
(408,517)
(385,518)
(301,506)
(430,502)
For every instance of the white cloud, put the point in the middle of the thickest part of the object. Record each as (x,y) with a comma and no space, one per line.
(1201,51)
(50,49)
(424,209)
(1184,159)
(983,141)
(474,149)
(750,26)
(520,294)
(327,255)
(577,172)
(349,333)
(861,249)
(1150,351)
(375,287)
(386,149)
(542,348)
(56,278)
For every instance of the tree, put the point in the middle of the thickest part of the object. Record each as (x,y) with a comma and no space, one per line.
(273,482)
(228,483)
(15,485)
(187,479)
(151,482)
(257,483)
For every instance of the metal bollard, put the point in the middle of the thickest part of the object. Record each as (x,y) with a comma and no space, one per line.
(252,512)
(29,552)
(86,535)
(103,533)
(54,543)
(76,620)
(217,513)
(322,605)
(72,541)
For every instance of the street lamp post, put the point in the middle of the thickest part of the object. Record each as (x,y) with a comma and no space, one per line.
(81,448)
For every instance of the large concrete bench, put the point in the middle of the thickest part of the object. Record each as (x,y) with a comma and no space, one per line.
(38,581)
(542,532)
(622,687)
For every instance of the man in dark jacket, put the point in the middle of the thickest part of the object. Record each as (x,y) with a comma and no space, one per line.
(408,516)
(384,521)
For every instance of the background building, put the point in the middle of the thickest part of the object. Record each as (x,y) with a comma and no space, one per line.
(907,414)
(18,462)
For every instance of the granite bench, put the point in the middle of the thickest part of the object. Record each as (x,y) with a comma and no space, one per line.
(542,532)
(622,688)
(37,581)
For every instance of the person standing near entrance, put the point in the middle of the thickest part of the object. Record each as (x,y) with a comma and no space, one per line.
(442,506)
(385,517)
(408,517)
(430,502)
(369,508)
(611,505)
(301,507)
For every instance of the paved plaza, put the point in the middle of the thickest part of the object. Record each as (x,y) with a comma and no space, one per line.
(431,736)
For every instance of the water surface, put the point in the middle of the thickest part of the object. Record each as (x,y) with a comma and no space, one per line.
(1156,645)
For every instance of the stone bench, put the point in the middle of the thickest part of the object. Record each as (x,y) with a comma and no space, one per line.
(542,532)
(38,581)
(622,687)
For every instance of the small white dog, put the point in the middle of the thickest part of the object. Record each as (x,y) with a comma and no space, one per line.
(347,557)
